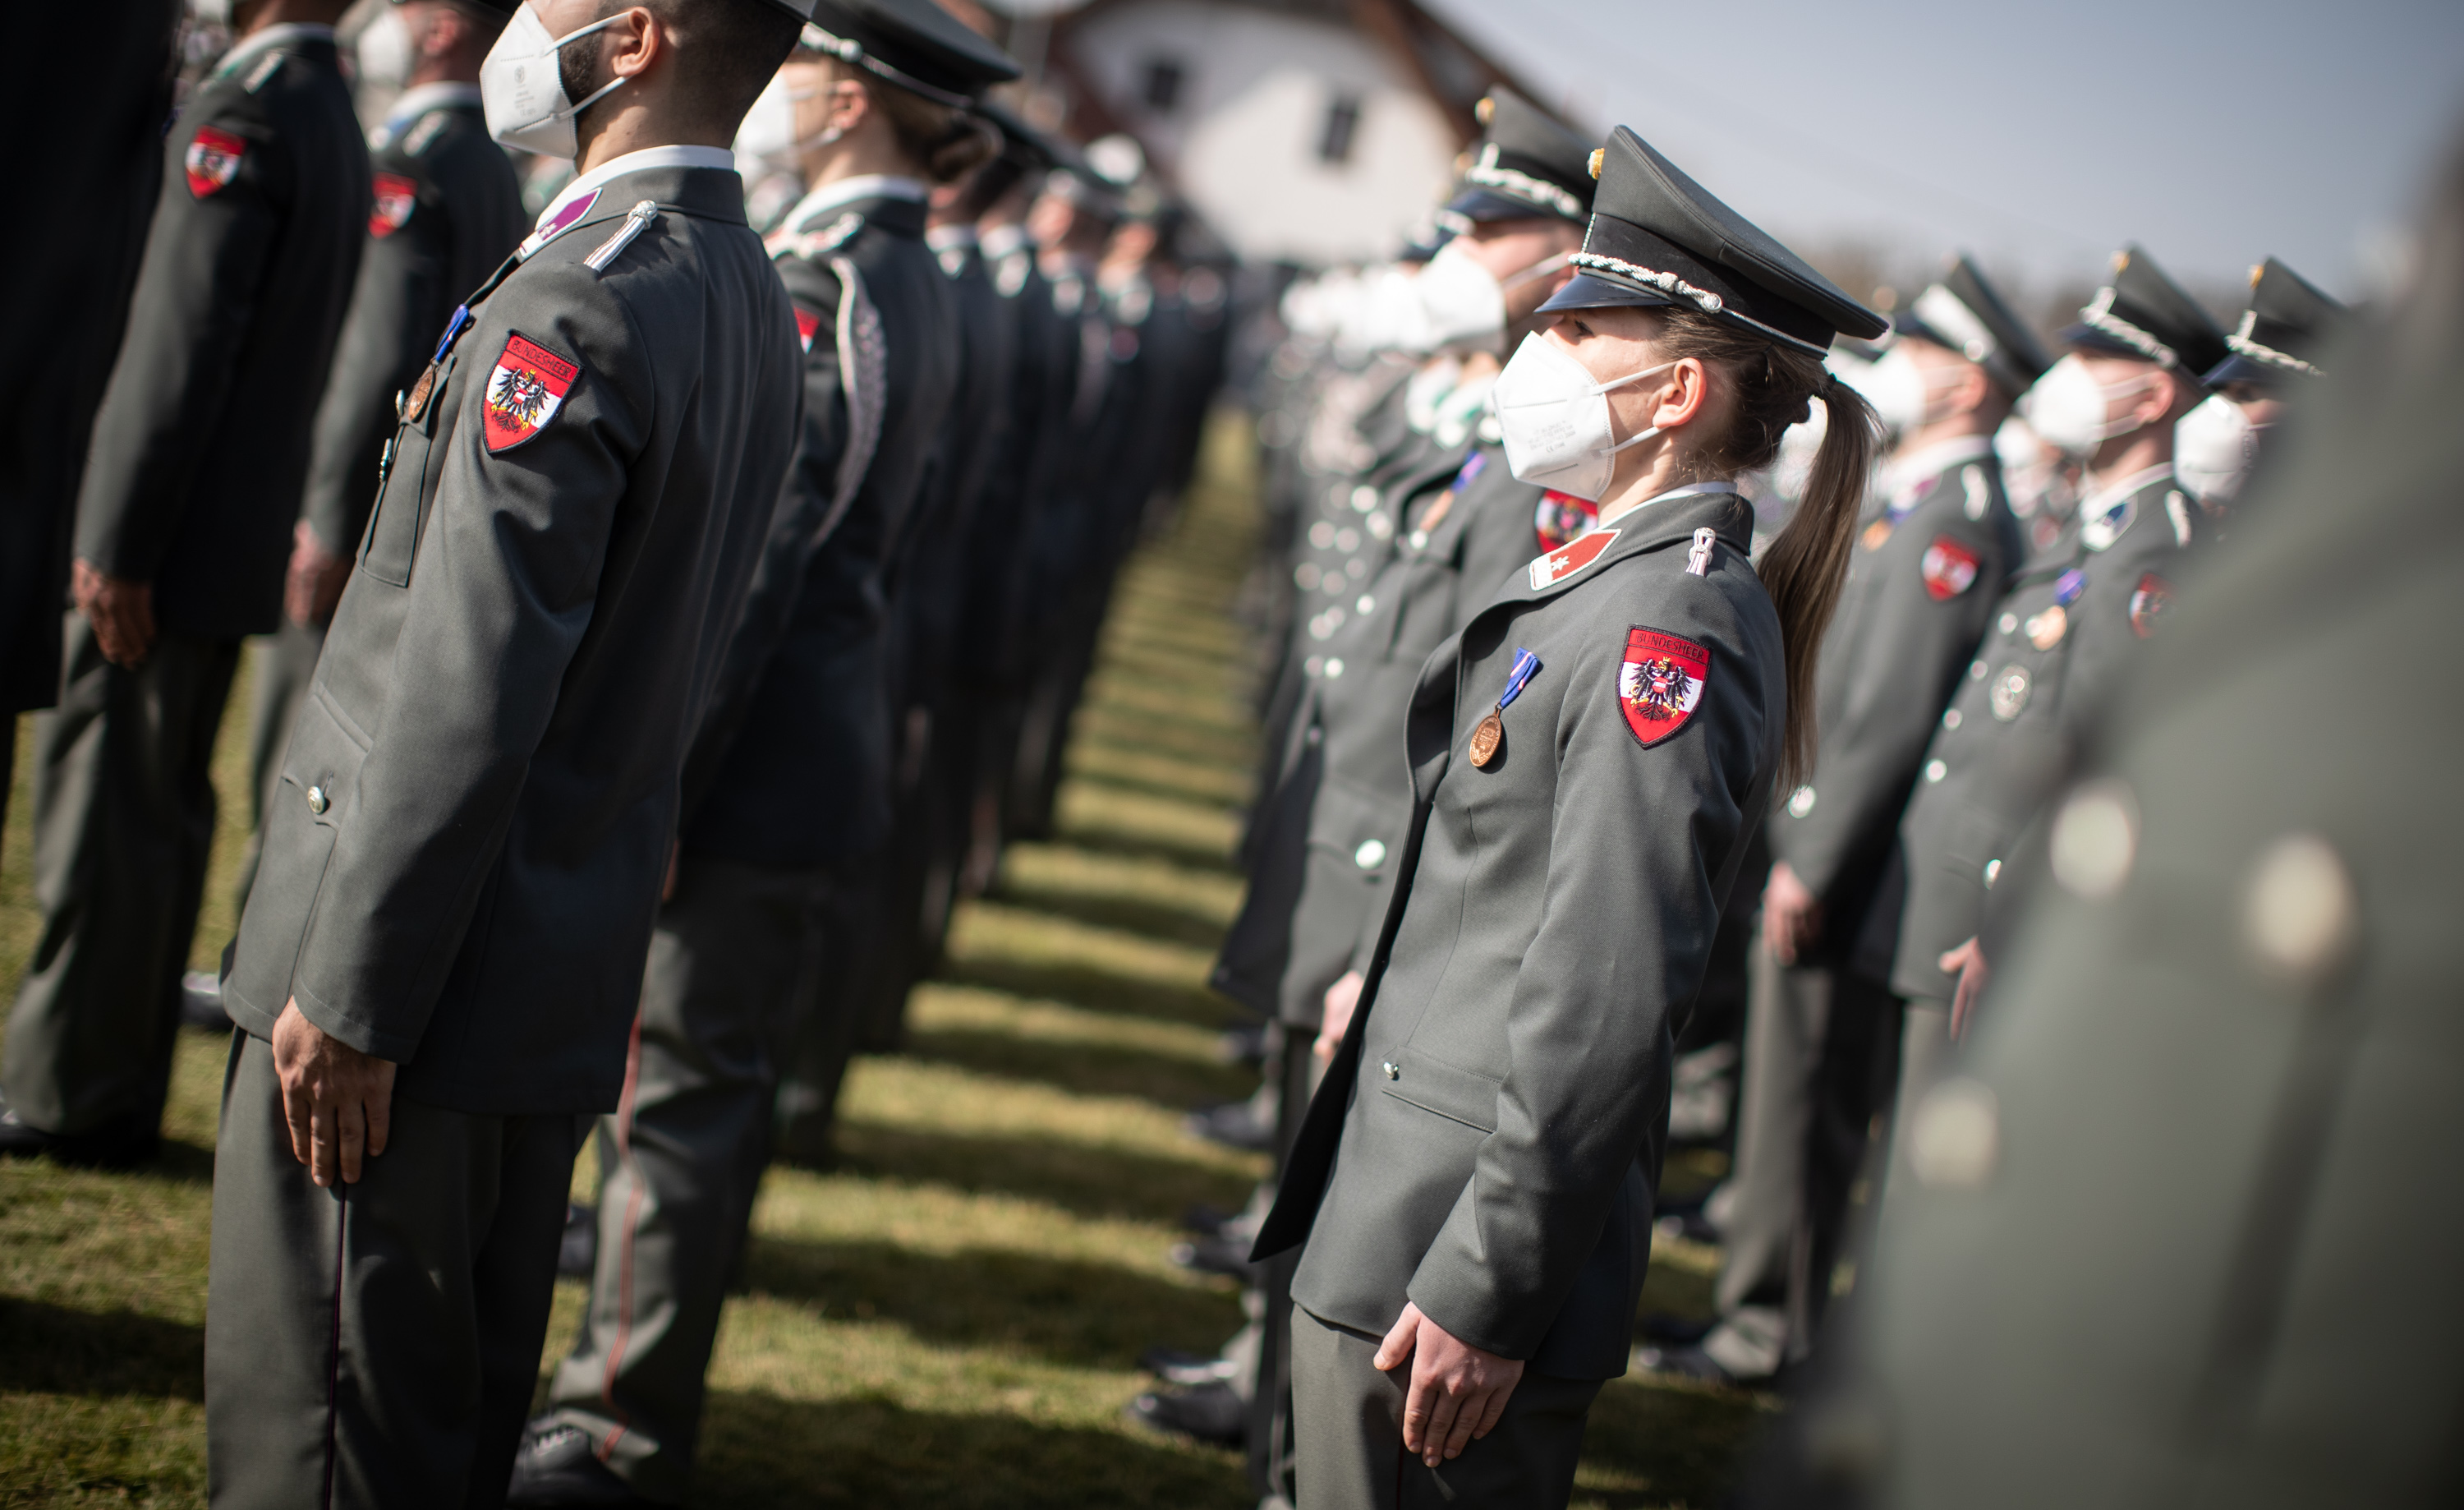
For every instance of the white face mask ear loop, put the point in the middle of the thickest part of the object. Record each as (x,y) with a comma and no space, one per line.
(598,94)
(1642,436)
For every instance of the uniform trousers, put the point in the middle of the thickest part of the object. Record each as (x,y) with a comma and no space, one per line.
(1820,1049)
(124,822)
(1268,1378)
(376,1343)
(1349,1420)
(285,664)
(1924,1062)
(681,1159)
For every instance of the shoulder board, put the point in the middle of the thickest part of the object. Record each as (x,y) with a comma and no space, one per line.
(263,73)
(636,220)
(423,135)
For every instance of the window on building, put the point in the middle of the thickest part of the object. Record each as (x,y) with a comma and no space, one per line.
(1342,123)
(1164,77)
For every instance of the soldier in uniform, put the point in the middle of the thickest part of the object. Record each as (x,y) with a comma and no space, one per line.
(1473,1183)
(1823,1026)
(444,942)
(183,526)
(786,785)
(2177,1232)
(2287,323)
(447,210)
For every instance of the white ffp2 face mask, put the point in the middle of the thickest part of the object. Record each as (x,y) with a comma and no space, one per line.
(384,51)
(1906,397)
(2071,411)
(769,129)
(1555,417)
(1461,302)
(522,87)
(2213,448)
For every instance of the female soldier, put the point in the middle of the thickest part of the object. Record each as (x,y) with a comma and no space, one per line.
(1474,1182)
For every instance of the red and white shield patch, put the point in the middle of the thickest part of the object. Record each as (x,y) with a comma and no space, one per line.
(1950,569)
(1562,517)
(213,160)
(391,207)
(806,322)
(1547,570)
(2149,601)
(1661,682)
(524,393)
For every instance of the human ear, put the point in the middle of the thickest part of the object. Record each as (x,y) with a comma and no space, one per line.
(636,41)
(1683,389)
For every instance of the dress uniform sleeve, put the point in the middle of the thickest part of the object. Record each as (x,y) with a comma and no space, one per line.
(796,531)
(197,290)
(501,593)
(1908,666)
(387,338)
(1629,912)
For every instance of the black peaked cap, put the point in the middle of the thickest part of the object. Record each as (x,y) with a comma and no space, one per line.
(1964,313)
(2142,313)
(1020,142)
(1657,238)
(1526,164)
(913,44)
(2288,323)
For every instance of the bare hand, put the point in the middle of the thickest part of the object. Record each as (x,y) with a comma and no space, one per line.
(1967,962)
(122,612)
(1341,998)
(1792,915)
(314,583)
(337,1099)
(1459,1392)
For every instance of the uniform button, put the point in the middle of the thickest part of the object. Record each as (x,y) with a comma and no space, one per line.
(1365,604)
(2010,622)
(1936,770)
(2299,913)
(1956,1138)
(1333,667)
(1379,526)
(1419,537)
(1305,575)
(316,802)
(1394,1071)
(1992,873)
(1364,498)
(1801,802)
(1370,854)
(2094,838)
(1950,717)
(1347,541)
(1314,737)
(1977,670)
(1321,535)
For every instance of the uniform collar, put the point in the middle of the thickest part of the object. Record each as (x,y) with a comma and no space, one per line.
(578,203)
(2104,497)
(839,192)
(444,95)
(1664,520)
(1901,473)
(1687,491)
(281,35)
(1002,240)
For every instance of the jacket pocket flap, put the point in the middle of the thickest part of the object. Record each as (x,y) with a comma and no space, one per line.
(1434,1085)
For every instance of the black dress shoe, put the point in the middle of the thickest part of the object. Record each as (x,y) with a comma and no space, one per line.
(1232,1125)
(1221,1256)
(557,1466)
(1675,1331)
(1692,1226)
(1209,1413)
(119,1146)
(1172,1365)
(1689,1363)
(200,1002)
(577,1254)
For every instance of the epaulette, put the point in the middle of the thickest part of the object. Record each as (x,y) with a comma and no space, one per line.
(263,73)
(636,220)
(423,135)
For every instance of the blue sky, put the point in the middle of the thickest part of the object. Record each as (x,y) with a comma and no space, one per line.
(2041,137)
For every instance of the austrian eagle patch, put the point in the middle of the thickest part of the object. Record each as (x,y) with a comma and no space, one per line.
(524,391)
(213,160)
(1661,682)
(390,206)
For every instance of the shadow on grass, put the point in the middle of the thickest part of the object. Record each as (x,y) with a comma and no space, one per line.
(1089,1182)
(1650,1443)
(1092,989)
(1083,1069)
(1192,851)
(52,1350)
(1076,1313)
(1173,921)
(759,1449)
(1140,731)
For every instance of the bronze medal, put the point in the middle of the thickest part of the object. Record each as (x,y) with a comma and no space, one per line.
(1877,532)
(1487,737)
(416,404)
(2045,629)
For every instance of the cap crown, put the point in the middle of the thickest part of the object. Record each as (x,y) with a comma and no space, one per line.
(1528,159)
(2143,311)
(2289,319)
(916,38)
(1965,313)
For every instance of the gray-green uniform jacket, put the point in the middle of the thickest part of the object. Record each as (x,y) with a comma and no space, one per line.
(447,210)
(1487,1141)
(477,804)
(202,443)
(1931,556)
(2051,662)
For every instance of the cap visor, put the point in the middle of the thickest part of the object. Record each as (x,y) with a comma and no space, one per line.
(1482,205)
(1588,292)
(2239,368)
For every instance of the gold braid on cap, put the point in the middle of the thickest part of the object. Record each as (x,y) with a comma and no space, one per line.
(2099,316)
(2242,345)
(1525,186)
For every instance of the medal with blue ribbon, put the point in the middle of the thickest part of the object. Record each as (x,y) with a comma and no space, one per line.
(1491,733)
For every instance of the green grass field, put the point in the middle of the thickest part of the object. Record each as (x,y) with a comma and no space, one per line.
(952,1317)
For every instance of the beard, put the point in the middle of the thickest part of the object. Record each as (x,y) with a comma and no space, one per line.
(576,67)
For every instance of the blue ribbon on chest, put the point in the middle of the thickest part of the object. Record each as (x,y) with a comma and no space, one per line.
(1526,666)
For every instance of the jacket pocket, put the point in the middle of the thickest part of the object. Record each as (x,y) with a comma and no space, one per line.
(392,540)
(320,780)
(1367,833)
(1432,1085)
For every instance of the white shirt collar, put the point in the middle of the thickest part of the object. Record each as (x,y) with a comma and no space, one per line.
(1716,486)
(1905,472)
(847,191)
(414,102)
(267,40)
(958,233)
(2104,497)
(1003,239)
(643,161)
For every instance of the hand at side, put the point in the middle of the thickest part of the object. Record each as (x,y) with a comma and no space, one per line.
(122,612)
(1459,1392)
(338,1101)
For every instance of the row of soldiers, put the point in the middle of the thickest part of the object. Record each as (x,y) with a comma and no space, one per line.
(2024,539)
(629,588)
